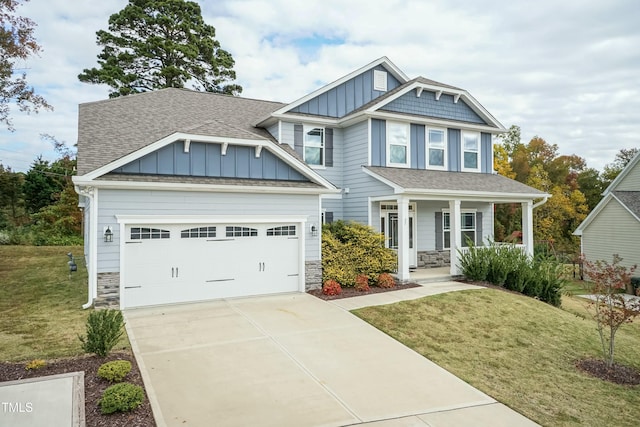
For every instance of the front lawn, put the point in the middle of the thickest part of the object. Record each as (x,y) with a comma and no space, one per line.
(519,351)
(41,311)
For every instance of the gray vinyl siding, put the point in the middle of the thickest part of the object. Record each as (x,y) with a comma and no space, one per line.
(273,130)
(334,173)
(346,97)
(206,159)
(287,129)
(361,186)
(418,146)
(631,182)
(486,153)
(613,231)
(426,105)
(335,206)
(162,203)
(378,142)
(454,149)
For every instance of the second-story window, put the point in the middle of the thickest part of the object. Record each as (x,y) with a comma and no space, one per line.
(314,146)
(470,151)
(397,144)
(436,154)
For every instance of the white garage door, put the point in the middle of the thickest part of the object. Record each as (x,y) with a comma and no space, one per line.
(178,263)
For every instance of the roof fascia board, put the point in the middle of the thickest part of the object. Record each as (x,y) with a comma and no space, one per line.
(397,73)
(178,136)
(219,188)
(307,119)
(622,174)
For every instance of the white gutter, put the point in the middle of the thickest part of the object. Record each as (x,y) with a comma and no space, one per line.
(92,194)
(541,202)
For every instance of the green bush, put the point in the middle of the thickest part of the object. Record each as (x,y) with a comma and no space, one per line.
(351,249)
(104,329)
(510,267)
(122,397)
(114,371)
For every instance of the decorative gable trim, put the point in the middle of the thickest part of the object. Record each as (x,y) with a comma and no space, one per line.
(384,61)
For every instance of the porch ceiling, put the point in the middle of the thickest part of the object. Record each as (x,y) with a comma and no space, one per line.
(454,184)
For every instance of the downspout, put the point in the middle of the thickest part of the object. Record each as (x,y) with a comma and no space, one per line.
(541,202)
(92,195)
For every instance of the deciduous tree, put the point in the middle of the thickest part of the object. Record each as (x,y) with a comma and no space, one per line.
(154,44)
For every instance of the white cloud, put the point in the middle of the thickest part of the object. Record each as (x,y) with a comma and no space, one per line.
(565,71)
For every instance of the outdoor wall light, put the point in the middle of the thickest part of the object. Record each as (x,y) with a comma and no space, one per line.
(108,234)
(314,230)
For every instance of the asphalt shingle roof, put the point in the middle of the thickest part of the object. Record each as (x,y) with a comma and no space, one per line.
(631,199)
(111,129)
(208,180)
(421,179)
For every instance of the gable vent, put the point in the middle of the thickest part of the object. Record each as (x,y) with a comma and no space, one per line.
(380,80)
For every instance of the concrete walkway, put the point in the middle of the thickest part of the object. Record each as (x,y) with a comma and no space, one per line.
(294,360)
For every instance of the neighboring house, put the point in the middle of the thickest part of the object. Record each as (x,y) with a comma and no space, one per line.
(613,226)
(192,195)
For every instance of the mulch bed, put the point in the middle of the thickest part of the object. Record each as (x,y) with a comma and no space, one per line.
(94,386)
(618,374)
(348,292)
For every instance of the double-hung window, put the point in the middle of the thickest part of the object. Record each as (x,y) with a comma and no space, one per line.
(436,151)
(467,228)
(471,151)
(397,144)
(314,146)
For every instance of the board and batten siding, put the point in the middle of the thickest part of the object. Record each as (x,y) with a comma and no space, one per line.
(176,203)
(361,186)
(631,182)
(346,97)
(613,231)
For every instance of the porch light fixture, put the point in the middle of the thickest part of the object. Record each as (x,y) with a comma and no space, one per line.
(108,235)
(314,230)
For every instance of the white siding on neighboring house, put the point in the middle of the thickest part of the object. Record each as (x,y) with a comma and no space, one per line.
(166,203)
(631,182)
(613,231)
(361,186)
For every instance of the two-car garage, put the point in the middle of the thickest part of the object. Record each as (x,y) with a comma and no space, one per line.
(164,263)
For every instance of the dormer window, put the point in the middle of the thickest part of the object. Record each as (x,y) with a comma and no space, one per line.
(314,146)
(380,80)
(470,152)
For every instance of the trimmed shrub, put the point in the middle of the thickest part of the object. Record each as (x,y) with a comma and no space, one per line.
(331,287)
(35,364)
(362,283)
(122,397)
(114,371)
(104,329)
(385,280)
(350,249)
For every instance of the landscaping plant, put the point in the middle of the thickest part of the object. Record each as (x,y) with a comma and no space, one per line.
(331,287)
(121,397)
(114,371)
(35,364)
(611,307)
(385,280)
(362,283)
(104,329)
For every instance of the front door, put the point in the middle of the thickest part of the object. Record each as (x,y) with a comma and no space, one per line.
(389,227)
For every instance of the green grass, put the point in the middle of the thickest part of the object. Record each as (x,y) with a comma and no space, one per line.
(41,311)
(519,351)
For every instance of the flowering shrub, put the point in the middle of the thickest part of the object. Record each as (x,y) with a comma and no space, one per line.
(385,280)
(331,287)
(362,283)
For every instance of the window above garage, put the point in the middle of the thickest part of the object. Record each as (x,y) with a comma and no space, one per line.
(285,230)
(138,233)
(198,232)
(241,231)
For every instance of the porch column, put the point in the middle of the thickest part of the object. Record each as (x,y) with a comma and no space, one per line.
(403,239)
(455,237)
(527,226)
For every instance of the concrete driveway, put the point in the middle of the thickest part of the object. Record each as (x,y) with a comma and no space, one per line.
(293,360)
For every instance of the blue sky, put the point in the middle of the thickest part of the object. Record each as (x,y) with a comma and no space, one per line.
(566,71)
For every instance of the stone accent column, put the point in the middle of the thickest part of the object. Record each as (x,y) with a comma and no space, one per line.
(108,291)
(313,275)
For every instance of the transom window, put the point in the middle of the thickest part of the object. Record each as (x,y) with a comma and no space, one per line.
(467,228)
(397,144)
(198,232)
(470,151)
(436,154)
(241,232)
(314,146)
(143,233)
(285,230)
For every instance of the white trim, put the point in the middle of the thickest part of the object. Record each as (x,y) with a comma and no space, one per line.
(478,153)
(369,142)
(279,139)
(396,187)
(389,115)
(474,211)
(380,80)
(445,165)
(305,131)
(384,61)
(596,211)
(201,219)
(407,144)
(419,91)
(625,207)
(622,174)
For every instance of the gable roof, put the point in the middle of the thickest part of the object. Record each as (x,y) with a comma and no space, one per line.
(630,200)
(433,182)
(621,176)
(111,129)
